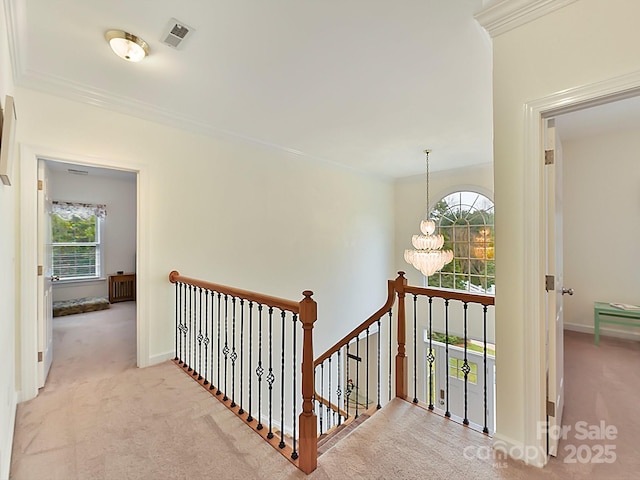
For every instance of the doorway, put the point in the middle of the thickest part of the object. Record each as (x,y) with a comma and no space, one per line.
(27,348)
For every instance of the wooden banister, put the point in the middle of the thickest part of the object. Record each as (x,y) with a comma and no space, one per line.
(362,327)
(451,295)
(308,459)
(259,298)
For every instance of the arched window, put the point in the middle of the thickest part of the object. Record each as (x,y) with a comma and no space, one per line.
(465,219)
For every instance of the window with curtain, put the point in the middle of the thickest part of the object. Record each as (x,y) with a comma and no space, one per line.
(465,219)
(76,233)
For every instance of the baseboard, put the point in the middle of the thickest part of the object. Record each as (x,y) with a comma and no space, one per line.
(604,331)
(161,357)
(529,454)
(7,442)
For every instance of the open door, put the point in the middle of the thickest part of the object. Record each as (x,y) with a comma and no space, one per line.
(554,285)
(45,276)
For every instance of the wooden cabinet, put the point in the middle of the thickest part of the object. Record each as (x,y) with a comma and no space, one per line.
(122,287)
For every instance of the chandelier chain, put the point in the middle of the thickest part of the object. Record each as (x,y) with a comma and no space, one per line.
(427,184)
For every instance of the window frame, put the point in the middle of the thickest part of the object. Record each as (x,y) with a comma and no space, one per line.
(487,278)
(98,244)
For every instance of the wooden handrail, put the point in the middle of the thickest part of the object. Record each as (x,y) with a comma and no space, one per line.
(451,295)
(259,298)
(391,288)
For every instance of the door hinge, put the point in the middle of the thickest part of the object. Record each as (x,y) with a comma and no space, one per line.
(40,185)
(40,270)
(549,283)
(551,408)
(549,157)
(39,356)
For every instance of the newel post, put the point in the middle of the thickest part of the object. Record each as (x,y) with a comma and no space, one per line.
(308,450)
(401,357)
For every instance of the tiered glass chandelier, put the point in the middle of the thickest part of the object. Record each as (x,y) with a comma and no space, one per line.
(428,256)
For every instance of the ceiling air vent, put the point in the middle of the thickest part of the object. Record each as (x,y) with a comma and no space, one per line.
(176,33)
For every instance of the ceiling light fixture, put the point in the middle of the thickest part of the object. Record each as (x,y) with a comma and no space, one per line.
(127,46)
(428,256)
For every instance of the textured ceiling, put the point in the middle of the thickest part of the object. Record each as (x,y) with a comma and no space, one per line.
(368,84)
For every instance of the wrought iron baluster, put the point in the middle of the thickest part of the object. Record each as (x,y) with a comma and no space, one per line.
(282,444)
(357,386)
(225,350)
(486,406)
(339,389)
(259,368)
(219,382)
(270,376)
(447,413)
(328,406)
(242,359)
(212,316)
(200,337)
(367,372)
(234,354)
(321,406)
(378,405)
(177,321)
(415,349)
(206,336)
(431,357)
(188,365)
(181,326)
(294,454)
(465,368)
(390,354)
(349,387)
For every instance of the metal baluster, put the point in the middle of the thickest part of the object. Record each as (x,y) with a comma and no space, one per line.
(294,454)
(190,324)
(446,349)
(270,377)
(367,370)
(194,314)
(282,444)
(431,357)
(200,336)
(390,354)
(379,405)
(339,389)
(219,382)
(415,349)
(259,369)
(321,406)
(181,326)
(486,406)
(465,369)
(242,358)
(212,316)
(349,388)
(225,350)
(357,387)
(177,321)
(234,354)
(329,402)
(206,335)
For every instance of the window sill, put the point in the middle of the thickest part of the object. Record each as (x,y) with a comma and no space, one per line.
(76,281)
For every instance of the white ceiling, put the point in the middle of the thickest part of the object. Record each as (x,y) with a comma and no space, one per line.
(368,84)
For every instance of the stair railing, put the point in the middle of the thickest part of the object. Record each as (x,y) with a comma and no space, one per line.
(242,347)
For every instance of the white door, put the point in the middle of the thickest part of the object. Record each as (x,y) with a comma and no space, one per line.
(45,276)
(554,282)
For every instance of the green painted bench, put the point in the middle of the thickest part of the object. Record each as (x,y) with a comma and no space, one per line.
(615,315)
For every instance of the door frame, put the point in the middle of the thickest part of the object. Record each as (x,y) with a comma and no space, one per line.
(28,343)
(535,114)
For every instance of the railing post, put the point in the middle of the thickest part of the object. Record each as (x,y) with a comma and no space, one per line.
(401,358)
(308,451)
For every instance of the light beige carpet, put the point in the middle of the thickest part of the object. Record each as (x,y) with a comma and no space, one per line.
(99,417)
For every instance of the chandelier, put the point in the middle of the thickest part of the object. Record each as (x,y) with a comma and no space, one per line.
(428,256)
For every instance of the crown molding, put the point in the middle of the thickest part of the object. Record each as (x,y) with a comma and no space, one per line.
(504,15)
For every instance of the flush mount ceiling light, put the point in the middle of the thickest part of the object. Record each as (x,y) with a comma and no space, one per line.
(127,46)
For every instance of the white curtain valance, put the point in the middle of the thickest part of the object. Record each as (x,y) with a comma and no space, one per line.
(67,210)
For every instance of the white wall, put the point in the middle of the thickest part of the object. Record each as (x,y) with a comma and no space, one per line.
(601,225)
(119,226)
(583,43)
(9,276)
(234,213)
